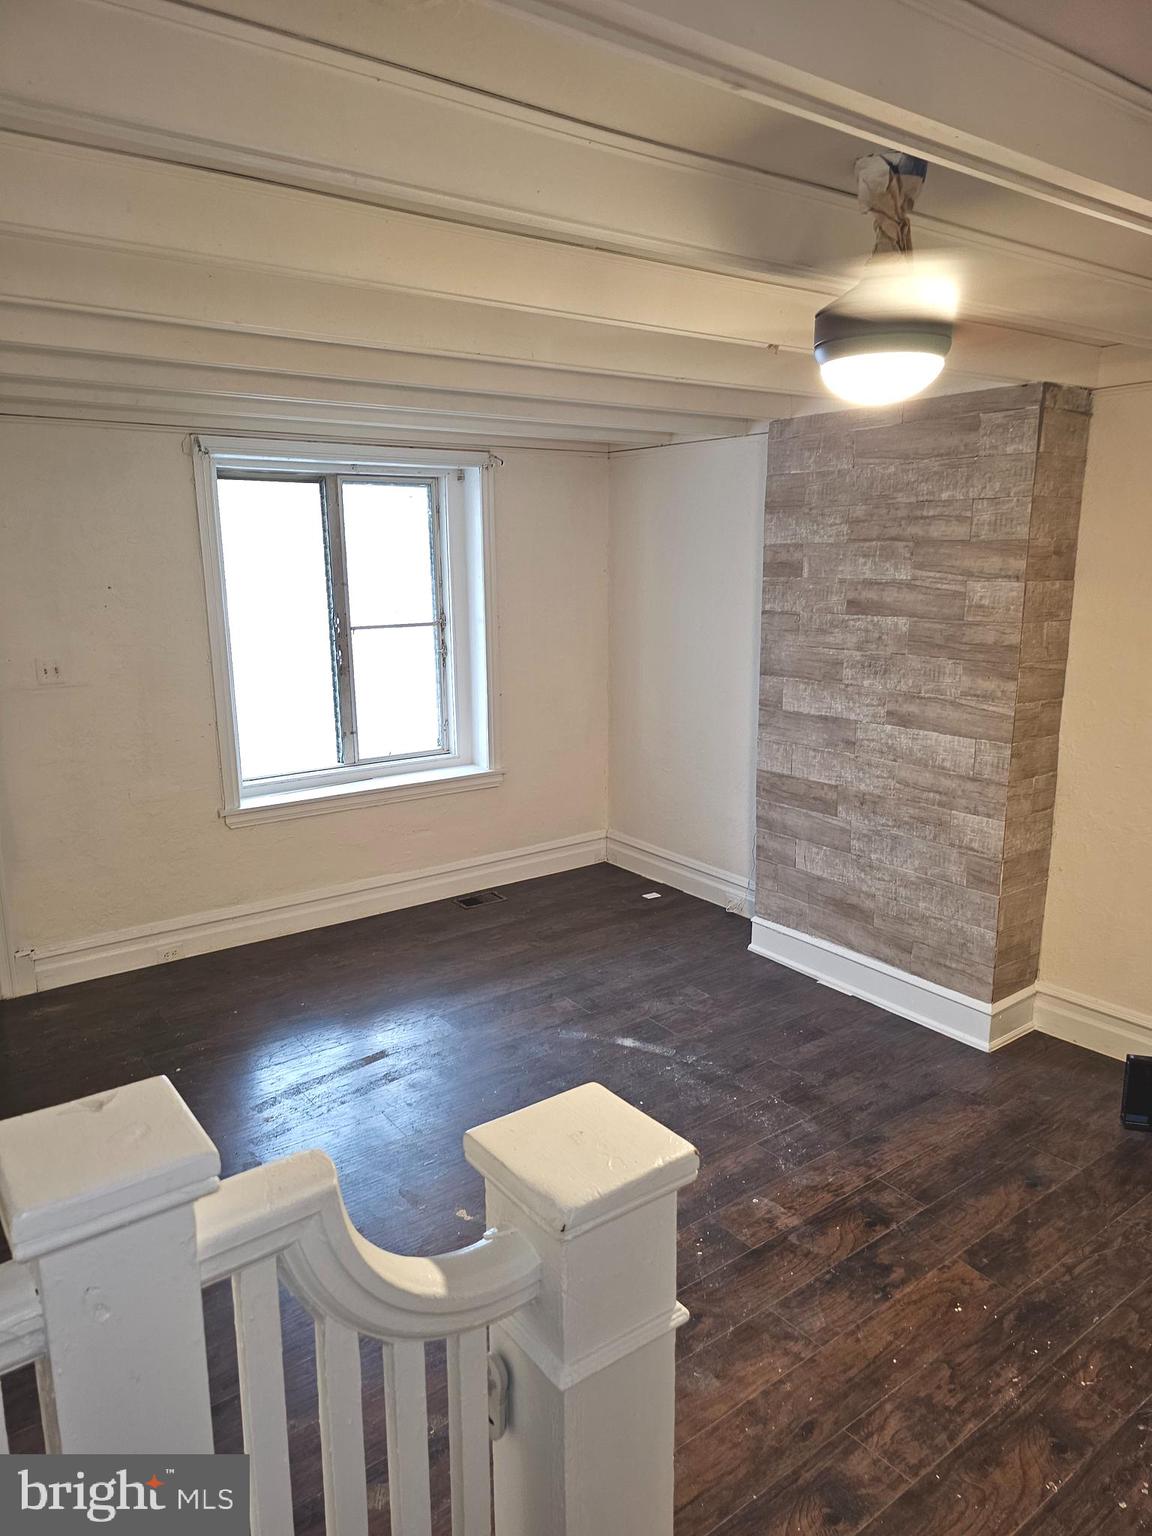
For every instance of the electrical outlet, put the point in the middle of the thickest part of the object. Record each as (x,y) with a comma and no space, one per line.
(48,673)
(173,952)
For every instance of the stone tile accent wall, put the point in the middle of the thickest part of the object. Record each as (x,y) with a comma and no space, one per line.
(918,574)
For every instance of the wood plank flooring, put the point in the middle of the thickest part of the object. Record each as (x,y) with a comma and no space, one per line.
(920,1278)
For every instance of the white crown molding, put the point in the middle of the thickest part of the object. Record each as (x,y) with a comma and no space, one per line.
(385,431)
(58,341)
(187,396)
(129,949)
(987,1026)
(73,365)
(90,278)
(1135,387)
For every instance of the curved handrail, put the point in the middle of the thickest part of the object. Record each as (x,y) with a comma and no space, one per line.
(22,1338)
(293,1210)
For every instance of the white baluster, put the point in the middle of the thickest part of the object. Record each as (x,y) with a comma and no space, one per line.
(341,1429)
(591,1182)
(260,1355)
(98,1195)
(471,1448)
(406,1410)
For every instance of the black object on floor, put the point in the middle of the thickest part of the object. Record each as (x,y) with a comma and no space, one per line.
(1136,1104)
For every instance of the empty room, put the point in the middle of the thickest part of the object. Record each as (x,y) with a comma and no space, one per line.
(576,767)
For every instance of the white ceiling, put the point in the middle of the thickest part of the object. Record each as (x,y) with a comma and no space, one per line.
(514,58)
(381,205)
(1116,34)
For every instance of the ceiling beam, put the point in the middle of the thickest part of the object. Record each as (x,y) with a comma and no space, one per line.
(774,247)
(86,229)
(39,379)
(131,284)
(87,194)
(353,371)
(549,252)
(940,78)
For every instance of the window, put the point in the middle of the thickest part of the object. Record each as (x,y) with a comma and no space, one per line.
(348,599)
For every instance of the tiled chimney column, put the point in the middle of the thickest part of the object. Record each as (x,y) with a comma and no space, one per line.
(917,589)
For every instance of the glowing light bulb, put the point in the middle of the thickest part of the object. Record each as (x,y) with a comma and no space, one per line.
(880,378)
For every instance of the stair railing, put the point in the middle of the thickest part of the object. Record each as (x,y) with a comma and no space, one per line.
(559,1321)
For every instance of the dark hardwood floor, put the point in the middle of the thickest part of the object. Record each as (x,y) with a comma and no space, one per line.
(920,1278)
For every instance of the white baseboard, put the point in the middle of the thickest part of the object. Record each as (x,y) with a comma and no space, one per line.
(1093,1023)
(23,973)
(1070,1016)
(130,949)
(987,1026)
(720,886)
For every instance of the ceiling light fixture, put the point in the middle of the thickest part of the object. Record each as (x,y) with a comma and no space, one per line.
(867,360)
(887,339)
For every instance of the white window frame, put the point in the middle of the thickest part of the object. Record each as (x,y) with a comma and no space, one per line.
(463,494)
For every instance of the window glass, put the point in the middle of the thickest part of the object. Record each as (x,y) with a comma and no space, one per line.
(276,589)
(397,707)
(388,546)
(334,615)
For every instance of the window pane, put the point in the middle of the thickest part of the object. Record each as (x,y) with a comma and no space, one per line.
(396,705)
(277,595)
(387,538)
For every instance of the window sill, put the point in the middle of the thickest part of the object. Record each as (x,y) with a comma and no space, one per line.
(321,801)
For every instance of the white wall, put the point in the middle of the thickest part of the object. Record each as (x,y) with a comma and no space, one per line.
(628,610)
(1098,919)
(687,533)
(110,782)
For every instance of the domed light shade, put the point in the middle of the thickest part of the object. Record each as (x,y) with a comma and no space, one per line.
(880,378)
(872,361)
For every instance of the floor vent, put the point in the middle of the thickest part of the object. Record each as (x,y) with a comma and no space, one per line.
(478,898)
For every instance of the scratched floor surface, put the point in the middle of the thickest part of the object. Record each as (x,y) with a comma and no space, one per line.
(920,1278)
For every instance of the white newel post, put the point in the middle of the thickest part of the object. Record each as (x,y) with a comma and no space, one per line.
(97,1195)
(591,1182)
